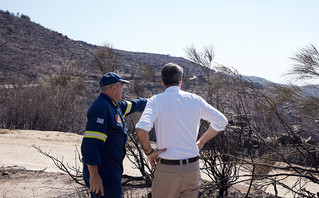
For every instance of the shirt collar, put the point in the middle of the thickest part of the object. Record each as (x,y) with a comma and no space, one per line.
(172,89)
(109,99)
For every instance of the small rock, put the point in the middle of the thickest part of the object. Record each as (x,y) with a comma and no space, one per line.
(5,173)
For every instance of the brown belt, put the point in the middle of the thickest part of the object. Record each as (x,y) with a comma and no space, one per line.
(178,162)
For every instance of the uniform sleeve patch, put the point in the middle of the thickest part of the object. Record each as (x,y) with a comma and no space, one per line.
(100,120)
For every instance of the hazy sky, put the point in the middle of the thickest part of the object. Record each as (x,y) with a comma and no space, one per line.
(256,37)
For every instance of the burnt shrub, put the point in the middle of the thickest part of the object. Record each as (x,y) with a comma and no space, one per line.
(51,104)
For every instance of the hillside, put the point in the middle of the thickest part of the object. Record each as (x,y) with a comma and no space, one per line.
(29,50)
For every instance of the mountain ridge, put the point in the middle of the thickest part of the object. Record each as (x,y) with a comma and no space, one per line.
(29,50)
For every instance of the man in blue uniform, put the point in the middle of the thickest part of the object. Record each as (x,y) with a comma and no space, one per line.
(103,145)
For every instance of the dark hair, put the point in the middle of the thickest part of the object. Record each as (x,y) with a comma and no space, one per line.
(171,74)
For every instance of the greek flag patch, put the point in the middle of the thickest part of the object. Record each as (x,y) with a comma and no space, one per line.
(100,120)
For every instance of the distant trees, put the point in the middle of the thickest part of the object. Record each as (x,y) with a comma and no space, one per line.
(104,59)
(148,71)
(146,82)
(22,16)
(26,17)
(52,103)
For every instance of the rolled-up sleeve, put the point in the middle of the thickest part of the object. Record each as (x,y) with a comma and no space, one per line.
(149,115)
(217,120)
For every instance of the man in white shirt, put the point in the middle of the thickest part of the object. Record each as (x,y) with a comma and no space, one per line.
(176,115)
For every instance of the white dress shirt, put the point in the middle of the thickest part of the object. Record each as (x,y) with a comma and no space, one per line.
(176,115)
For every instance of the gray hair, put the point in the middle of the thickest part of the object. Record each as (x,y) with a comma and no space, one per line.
(107,87)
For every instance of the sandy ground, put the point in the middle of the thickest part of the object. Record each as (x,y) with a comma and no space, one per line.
(27,173)
(16,149)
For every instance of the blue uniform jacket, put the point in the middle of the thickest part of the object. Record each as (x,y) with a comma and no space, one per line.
(106,135)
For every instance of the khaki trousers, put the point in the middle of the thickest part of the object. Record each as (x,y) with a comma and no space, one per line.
(176,181)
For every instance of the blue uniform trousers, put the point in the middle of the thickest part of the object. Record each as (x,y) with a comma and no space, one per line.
(112,183)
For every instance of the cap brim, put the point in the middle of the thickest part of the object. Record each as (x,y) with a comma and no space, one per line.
(125,81)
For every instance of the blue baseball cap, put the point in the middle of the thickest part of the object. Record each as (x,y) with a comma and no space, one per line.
(111,78)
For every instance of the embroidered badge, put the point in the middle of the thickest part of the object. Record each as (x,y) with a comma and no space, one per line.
(100,120)
(117,118)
